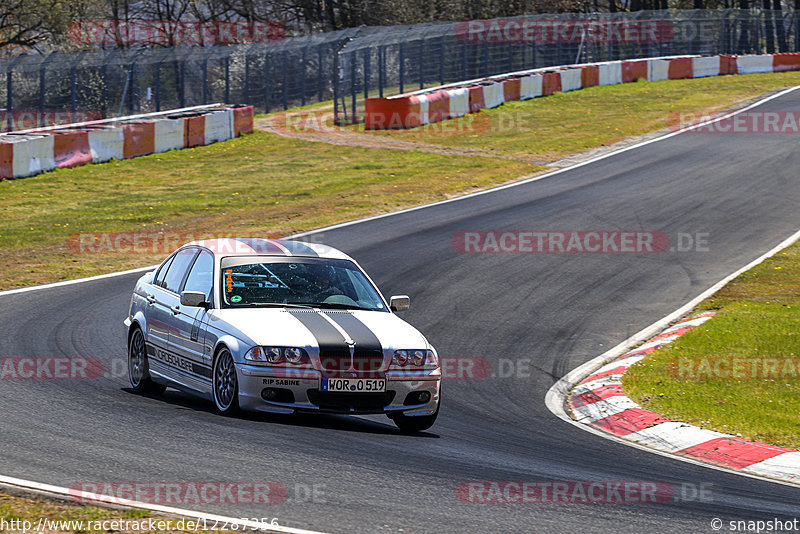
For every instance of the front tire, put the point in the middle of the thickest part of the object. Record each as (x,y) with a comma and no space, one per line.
(225,383)
(419,423)
(138,366)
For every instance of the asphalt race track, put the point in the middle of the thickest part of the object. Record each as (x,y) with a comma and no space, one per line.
(542,314)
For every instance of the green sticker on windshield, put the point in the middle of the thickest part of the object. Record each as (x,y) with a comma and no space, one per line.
(236,298)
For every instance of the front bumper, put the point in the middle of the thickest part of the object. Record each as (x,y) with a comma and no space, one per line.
(304,385)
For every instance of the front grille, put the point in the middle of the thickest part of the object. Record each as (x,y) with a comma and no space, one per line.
(348,402)
(337,362)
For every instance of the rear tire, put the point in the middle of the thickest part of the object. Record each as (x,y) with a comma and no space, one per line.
(408,423)
(138,366)
(225,384)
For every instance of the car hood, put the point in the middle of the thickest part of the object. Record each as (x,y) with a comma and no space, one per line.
(309,328)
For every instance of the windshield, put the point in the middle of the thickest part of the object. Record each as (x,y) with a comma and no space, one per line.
(323,283)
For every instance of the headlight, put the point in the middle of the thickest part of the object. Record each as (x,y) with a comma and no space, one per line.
(415,358)
(255,355)
(277,355)
(296,355)
(400,358)
(274,354)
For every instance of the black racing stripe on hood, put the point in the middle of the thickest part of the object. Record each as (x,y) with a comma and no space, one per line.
(363,337)
(328,338)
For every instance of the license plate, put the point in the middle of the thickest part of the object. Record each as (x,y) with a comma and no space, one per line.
(353,385)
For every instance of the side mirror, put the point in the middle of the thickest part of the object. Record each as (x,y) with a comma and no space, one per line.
(193,298)
(399,303)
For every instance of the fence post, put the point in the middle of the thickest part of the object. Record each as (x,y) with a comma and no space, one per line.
(367,71)
(10,82)
(42,70)
(158,85)
(353,91)
(227,80)
(381,69)
(336,85)
(320,72)
(421,61)
(73,91)
(285,82)
(303,77)
(266,82)
(463,60)
(442,57)
(181,84)
(402,66)
(131,88)
(246,78)
(205,80)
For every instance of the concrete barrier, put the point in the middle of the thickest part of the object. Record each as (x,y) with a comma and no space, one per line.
(106,144)
(706,66)
(570,79)
(530,86)
(168,134)
(754,64)
(609,73)
(493,95)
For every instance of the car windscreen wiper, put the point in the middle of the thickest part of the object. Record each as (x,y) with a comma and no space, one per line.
(273,305)
(334,305)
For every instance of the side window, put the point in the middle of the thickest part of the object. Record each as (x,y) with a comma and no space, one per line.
(177,271)
(201,277)
(162,271)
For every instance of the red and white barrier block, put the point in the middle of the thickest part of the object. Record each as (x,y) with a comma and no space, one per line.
(600,401)
(415,109)
(33,152)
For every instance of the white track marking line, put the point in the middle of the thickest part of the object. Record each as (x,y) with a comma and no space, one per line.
(75,281)
(549,174)
(105,499)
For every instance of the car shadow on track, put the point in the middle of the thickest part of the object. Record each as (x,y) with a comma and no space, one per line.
(347,423)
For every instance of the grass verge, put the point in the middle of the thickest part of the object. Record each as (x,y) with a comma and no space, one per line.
(565,123)
(55,515)
(260,184)
(265,184)
(738,373)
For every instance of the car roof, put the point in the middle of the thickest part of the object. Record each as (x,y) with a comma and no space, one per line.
(256,246)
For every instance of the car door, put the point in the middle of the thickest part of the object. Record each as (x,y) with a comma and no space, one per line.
(163,312)
(157,324)
(187,338)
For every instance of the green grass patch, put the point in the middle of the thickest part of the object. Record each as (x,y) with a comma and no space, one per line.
(263,184)
(565,123)
(738,373)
